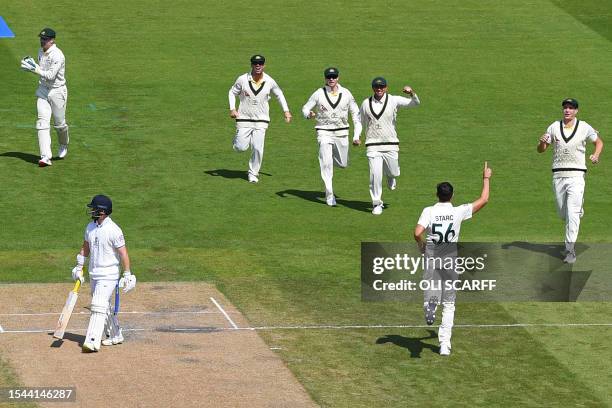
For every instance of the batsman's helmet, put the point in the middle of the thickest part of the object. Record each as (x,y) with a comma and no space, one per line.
(100,203)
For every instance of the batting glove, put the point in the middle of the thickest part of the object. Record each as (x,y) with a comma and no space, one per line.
(127,282)
(77,271)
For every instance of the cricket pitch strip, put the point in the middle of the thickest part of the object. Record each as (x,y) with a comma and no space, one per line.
(183,347)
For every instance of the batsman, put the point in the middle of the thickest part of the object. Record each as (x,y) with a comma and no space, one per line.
(104,244)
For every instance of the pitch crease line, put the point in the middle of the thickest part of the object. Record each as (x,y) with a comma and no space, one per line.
(229,319)
(347,327)
(1,329)
(135,312)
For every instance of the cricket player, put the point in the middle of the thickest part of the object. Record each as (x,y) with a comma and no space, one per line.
(52,95)
(569,137)
(253,114)
(333,103)
(441,223)
(378,116)
(105,246)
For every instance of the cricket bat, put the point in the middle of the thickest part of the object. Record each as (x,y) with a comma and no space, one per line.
(62,323)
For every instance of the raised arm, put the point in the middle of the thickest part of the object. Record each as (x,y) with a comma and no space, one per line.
(484,195)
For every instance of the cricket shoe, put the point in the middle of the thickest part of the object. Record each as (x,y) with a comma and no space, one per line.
(89,348)
(378,209)
(430,311)
(570,258)
(391,183)
(253,179)
(112,341)
(331,201)
(63,151)
(44,162)
(445,349)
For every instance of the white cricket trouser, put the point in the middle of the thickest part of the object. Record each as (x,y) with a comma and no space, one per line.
(333,151)
(569,195)
(102,291)
(445,330)
(53,105)
(381,162)
(443,296)
(253,138)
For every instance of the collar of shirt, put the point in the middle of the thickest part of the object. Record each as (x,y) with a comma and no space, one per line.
(570,125)
(251,79)
(446,204)
(49,50)
(103,222)
(382,100)
(329,90)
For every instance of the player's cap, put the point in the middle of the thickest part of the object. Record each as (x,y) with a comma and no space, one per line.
(331,72)
(379,82)
(258,59)
(571,102)
(47,33)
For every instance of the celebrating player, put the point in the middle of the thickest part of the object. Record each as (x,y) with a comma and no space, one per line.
(378,115)
(51,94)
(442,223)
(569,136)
(105,246)
(252,116)
(333,103)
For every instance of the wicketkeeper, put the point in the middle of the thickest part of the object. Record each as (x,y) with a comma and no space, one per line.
(52,95)
(104,244)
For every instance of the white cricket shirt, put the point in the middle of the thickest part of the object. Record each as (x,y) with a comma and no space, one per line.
(378,119)
(254,109)
(52,68)
(443,221)
(569,147)
(332,110)
(104,241)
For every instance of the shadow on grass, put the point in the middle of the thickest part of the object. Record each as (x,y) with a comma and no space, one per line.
(75,338)
(231,174)
(553,250)
(319,198)
(414,344)
(26,157)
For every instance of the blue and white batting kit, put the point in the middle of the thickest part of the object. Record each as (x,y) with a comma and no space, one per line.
(382,143)
(569,170)
(253,115)
(332,127)
(442,222)
(104,240)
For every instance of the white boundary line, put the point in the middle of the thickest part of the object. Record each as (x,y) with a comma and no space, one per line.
(346,327)
(229,319)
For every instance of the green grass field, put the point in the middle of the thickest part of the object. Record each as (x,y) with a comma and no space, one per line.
(149,121)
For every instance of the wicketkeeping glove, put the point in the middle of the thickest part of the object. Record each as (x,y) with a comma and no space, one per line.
(127,282)
(28,64)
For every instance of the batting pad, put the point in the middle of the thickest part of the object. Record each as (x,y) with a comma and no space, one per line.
(5,31)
